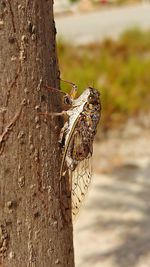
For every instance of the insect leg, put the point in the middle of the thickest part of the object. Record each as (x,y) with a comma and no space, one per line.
(73,90)
(54,90)
(53,114)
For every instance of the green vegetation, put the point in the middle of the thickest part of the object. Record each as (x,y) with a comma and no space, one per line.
(73,1)
(119,69)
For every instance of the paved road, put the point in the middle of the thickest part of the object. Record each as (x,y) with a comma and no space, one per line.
(95,26)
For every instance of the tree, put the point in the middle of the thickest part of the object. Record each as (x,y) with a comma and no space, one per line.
(33,231)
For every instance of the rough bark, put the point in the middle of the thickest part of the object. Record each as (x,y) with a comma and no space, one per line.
(33,231)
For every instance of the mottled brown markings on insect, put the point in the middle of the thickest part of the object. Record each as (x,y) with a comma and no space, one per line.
(79,144)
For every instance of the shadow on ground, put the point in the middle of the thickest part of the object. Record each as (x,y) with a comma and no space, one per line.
(122,207)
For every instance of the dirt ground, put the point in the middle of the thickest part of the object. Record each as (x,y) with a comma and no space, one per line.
(113,227)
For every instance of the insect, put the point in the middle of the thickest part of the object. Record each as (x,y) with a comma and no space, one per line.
(77,138)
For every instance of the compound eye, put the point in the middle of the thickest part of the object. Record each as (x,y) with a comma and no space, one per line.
(67,100)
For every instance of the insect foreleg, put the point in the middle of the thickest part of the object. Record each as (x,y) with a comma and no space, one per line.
(53,114)
(73,90)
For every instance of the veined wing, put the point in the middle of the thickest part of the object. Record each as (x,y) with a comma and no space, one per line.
(79,135)
(73,113)
(77,162)
(80,181)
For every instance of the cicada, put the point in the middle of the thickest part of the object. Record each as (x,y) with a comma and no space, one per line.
(77,138)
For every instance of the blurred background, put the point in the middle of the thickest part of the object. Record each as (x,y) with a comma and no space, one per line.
(106,44)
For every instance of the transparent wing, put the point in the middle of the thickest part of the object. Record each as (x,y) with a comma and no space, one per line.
(78,135)
(80,180)
(77,159)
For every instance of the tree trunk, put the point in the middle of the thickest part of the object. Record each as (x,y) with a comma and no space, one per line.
(33,231)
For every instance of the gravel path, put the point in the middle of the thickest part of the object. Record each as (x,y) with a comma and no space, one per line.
(113,227)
